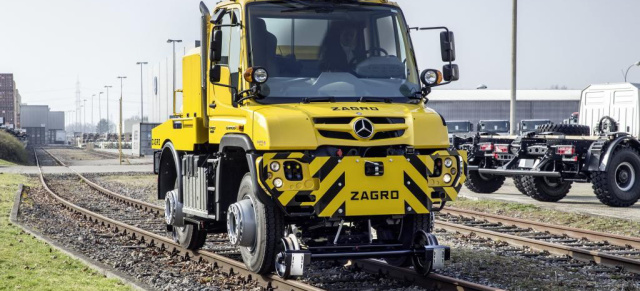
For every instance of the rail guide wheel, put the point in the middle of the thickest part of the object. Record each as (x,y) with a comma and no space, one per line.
(291,260)
(428,254)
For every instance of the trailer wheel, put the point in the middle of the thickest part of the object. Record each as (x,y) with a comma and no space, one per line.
(484,184)
(620,185)
(568,129)
(545,189)
(260,258)
(517,181)
(409,227)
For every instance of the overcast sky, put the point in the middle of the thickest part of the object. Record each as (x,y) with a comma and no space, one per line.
(49,44)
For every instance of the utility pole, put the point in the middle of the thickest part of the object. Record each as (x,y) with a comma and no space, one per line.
(100,106)
(173,92)
(84,119)
(120,122)
(514,49)
(108,124)
(92,98)
(141,92)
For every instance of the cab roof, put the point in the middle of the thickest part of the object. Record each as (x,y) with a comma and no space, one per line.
(243,2)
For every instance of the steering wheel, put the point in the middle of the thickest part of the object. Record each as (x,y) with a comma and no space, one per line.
(367,53)
(376,49)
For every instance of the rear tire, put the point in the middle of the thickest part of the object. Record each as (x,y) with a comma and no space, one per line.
(620,185)
(483,184)
(408,229)
(517,181)
(545,189)
(269,230)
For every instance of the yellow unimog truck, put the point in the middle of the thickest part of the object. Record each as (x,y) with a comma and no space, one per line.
(304,134)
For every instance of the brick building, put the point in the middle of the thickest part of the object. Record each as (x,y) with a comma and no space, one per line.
(9,101)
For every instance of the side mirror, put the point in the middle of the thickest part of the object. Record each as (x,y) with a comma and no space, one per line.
(447,46)
(450,72)
(214,74)
(216,46)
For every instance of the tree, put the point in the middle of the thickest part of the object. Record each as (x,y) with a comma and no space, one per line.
(103,126)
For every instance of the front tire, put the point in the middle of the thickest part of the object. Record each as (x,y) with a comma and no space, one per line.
(260,258)
(545,189)
(410,226)
(620,185)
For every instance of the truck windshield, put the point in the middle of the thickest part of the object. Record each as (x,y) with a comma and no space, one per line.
(344,53)
(458,126)
(494,126)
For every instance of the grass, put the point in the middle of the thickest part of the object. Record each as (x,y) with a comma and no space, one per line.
(536,213)
(12,150)
(30,264)
(4,163)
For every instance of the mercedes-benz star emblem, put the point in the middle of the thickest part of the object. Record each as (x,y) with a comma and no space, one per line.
(363,128)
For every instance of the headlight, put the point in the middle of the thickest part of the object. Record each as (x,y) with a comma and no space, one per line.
(446,178)
(448,163)
(275,166)
(277,182)
(431,77)
(256,75)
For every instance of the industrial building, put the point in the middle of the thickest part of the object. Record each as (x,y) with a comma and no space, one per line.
(9,102)
(476,105)
(42,125)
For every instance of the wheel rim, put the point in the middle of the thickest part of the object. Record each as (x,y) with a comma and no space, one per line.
(252,248)
(551,182)
(625,176)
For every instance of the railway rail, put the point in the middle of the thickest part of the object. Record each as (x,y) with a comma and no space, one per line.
(432,282)
(583,245)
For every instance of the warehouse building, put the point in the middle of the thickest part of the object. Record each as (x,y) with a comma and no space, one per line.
(476,105)
(9,102)
(42,125)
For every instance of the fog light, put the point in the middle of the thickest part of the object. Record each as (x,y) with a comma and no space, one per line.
(448,163)
(277,182)
(275,166)
(446,178)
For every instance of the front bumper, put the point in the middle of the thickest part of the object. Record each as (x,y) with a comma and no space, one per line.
(351,186)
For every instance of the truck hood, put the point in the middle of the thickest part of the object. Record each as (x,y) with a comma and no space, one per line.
(309,126)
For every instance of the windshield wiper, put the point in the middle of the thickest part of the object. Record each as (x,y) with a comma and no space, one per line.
(308,100)
(374,99)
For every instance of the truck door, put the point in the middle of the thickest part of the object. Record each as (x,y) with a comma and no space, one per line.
(223,118)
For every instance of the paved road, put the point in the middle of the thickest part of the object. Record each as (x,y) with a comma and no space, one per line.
(580,199)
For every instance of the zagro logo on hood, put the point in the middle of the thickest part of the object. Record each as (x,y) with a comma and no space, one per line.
(354,108)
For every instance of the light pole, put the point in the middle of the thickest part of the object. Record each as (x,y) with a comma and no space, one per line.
(120,122)
(100,107)
(637,64)
(92,98)
(173,94)
(141,92)
(84,119)
(108,124)
(514,50)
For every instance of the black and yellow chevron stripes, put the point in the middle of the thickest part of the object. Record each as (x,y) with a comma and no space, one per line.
(335,187)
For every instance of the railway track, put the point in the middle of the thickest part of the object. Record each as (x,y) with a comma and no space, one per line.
(154,238)
(583,245)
